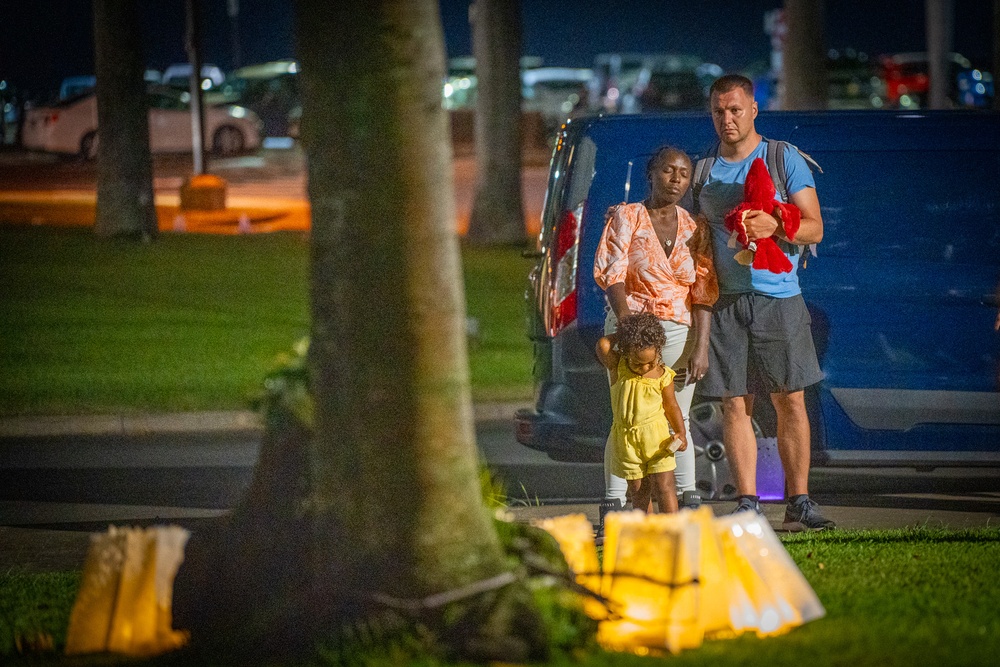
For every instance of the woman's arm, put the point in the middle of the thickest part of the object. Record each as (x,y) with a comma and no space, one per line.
(611,258)
(619,303)
(674,416)
(701,322)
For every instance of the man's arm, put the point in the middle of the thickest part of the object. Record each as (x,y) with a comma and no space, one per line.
(761,225)
(811,227)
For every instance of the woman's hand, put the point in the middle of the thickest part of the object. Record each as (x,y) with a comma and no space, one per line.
(684,442)
(697,364)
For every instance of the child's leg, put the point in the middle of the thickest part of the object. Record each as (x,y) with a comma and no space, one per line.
(663,489)
(639,492)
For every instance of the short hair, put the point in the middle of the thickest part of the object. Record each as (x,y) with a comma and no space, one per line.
(660,156)
(728,82)
(640,331)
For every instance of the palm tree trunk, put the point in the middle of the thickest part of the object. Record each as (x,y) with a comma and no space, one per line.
(390,510)
(498,209)
(125,205)
(804,61)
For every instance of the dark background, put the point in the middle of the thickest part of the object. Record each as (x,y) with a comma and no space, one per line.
(42,41)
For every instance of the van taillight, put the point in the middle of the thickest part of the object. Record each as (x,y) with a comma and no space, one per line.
(564,260)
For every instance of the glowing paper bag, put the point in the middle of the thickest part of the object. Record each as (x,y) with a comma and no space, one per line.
(651,581)
(778,596)
(125,598)
(575,535)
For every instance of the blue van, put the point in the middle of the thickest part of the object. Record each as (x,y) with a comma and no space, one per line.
(903,292)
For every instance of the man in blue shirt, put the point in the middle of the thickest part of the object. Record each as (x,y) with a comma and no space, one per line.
(760,325)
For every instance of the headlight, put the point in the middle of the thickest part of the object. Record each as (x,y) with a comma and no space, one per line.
(237,112)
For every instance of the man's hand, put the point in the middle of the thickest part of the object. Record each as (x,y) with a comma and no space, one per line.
(760,225)
(684,441)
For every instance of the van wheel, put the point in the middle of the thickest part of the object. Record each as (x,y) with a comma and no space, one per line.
(88,146)
(713,478)
(227,141)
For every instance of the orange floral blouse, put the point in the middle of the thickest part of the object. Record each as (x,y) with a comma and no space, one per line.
(630,253)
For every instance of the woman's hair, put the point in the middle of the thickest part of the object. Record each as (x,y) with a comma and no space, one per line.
(640,331)
(661,155)
(700,243)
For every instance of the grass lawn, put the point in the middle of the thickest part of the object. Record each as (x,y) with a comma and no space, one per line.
(192,322)
(902,597)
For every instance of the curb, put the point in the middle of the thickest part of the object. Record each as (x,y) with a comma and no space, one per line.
(177,423)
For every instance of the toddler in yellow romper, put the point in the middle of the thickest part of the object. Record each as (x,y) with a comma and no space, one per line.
(645,409)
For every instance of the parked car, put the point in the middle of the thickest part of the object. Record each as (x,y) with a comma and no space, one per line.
(675,86)
(555,92)
(624,78)
(70,126)
(907,79)
(460,85)
(975,88)
(902,293)
(271,90)
(854,81)
(11,104)
(73,86)
(178,76)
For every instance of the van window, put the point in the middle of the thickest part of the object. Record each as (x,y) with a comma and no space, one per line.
(570,177)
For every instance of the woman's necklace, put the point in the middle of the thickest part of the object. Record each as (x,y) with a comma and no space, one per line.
(669,232)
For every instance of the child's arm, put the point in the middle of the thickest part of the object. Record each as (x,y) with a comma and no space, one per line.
(608,355)
(674,416)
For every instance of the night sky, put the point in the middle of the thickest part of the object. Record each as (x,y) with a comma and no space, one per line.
(42,41)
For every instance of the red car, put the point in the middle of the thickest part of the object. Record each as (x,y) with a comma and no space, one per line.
(906,78)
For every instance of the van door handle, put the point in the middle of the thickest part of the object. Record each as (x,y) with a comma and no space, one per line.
(532,254)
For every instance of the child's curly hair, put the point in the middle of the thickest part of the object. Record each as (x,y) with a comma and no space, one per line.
(640,331)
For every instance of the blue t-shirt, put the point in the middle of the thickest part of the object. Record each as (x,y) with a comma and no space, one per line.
(721,193)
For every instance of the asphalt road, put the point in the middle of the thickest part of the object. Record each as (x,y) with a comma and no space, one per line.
(56,491)
(210,471)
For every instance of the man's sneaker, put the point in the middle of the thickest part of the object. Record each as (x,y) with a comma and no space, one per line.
(748,504)
(805,515)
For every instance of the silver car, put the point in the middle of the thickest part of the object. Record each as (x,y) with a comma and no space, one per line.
(70,126)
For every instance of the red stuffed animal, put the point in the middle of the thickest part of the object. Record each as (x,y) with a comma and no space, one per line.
(758,195)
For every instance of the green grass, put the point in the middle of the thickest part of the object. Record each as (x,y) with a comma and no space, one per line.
(900,597)
(34,605)
(192,322)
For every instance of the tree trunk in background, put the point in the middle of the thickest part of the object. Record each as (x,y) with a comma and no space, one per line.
(125,205)
(805,73)
(939,17)
(497,209)
(389,503)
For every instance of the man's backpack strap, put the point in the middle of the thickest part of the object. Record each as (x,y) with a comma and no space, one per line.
(775,158)
(702,168)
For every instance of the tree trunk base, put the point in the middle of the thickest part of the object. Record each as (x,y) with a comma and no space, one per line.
(246,592)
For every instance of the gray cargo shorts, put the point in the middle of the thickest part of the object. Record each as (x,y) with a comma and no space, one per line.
(759,342)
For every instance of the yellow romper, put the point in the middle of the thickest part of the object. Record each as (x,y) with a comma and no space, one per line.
(640,426)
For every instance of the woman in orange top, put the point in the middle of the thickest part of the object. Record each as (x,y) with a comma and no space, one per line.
(654,257)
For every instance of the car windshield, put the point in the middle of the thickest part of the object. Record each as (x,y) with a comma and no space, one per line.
(160,99)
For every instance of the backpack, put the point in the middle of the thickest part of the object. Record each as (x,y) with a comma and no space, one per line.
(775,159)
